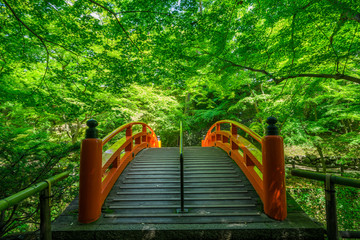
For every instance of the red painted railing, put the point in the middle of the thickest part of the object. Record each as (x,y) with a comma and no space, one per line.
(265,169)
(100,169)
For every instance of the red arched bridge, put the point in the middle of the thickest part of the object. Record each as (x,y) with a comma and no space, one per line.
(231,187)
(99,170)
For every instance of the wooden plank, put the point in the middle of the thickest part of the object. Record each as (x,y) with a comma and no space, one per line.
(181,214)
(189,206)
(177,192)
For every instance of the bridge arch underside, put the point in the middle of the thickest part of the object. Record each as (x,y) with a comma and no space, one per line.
(221,203)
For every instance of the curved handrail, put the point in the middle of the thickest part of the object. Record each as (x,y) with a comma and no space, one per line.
(116,158)
(30,191)
(256,136)
(121,128)
(111,153)
(100,169)
(44,188)
(263,167)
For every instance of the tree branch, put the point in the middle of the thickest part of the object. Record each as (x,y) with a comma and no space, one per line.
(117,20)
(280,79)
(142,12)
(339,25)
(267,48)
(348,54)
(240,66)
(321,75)
(331,44)
(228,29)
(36,35)
(40,38)
(7,224)
(60,17)
(246,67)
(347,11)
(249,68)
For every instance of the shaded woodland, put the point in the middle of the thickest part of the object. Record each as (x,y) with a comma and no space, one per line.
(159,62)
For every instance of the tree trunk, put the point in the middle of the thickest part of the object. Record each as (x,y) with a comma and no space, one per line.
(323,163)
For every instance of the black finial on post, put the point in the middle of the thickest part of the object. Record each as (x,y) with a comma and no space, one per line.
(272,129)
(91,132)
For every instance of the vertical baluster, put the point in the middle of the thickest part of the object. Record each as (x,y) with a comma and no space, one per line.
(129,147)
(217,136)
(144,137)
(233,130)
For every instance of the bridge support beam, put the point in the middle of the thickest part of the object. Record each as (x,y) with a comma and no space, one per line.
(274,173)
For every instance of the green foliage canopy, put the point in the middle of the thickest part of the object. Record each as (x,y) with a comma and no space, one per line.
(64,62)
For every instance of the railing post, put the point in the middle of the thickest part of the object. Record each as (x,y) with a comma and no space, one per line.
(181,171)
(45,217)
(233,130)
(144,138)
(274,172)
(182,207)
(129,147)
(90,175)
(331,218)
(159,141)
(182,201)
(234,147)
(218,137)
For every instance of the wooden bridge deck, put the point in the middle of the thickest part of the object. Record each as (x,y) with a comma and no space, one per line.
(216,191)
(219,198)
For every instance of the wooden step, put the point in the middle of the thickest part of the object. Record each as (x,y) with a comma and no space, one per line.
(188,206)
(147,186)
(188,177)
(149,190)
(178,199)
(180,215)
(133,169)
(178,192)
(186,181)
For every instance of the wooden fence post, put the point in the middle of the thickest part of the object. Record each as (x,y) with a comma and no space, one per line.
(45,217)
(331,216)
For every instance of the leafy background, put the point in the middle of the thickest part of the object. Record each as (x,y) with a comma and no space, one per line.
(64,62)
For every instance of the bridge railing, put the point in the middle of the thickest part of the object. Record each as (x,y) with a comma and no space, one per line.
(330,201)
(44,188)
(265,167)
(100,169)
(181,151)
